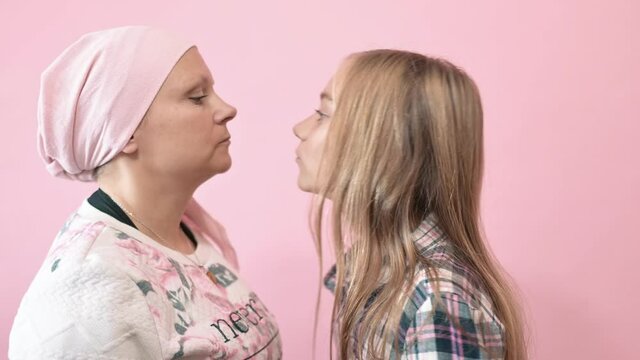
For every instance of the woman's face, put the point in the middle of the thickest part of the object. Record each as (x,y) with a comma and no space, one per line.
(184,134)
(312,133)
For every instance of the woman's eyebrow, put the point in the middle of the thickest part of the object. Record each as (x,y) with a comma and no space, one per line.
(202,81)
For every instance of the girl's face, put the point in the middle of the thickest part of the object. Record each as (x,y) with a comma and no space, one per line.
(184,134)
(312,133)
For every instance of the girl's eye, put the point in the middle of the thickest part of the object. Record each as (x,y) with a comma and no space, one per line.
(321,114)
(198,99)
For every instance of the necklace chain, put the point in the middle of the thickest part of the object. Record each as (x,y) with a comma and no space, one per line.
(197,262)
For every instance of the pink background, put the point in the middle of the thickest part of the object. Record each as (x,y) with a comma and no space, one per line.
(560,83)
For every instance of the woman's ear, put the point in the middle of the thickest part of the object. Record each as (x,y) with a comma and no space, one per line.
(131,147)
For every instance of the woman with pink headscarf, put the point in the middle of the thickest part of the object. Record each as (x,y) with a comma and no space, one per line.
(140,270)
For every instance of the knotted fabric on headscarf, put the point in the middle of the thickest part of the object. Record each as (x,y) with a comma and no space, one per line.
(94,96)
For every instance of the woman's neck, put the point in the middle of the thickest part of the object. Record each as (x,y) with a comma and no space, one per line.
(156,207)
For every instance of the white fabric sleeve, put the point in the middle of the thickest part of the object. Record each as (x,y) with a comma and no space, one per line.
(84,310)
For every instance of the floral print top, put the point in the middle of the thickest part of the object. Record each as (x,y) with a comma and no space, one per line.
(107,291)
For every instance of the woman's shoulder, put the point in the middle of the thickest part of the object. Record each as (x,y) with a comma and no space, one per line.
(82,256)
(81,239)
(83,263)
(81,312)
(75,302)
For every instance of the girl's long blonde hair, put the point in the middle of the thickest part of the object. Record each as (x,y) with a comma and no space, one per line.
(405,141)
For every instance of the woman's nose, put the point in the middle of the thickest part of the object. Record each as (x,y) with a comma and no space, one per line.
(224,112)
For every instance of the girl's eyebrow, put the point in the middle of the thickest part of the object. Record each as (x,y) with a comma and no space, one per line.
(325,96)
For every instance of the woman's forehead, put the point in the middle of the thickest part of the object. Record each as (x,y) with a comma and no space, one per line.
(191,72)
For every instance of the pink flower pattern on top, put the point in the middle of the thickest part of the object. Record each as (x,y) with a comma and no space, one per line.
(205,320)
(174,308)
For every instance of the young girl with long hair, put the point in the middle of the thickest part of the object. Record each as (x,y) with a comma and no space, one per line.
(397,148)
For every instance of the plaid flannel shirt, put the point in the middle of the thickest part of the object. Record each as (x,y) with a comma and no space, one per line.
(458,323)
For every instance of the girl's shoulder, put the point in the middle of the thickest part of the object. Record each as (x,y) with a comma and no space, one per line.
(443,277)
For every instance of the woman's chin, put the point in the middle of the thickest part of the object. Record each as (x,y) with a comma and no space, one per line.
(223,167)
(219,165)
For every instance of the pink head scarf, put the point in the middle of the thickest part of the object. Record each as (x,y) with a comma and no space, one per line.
(94,96)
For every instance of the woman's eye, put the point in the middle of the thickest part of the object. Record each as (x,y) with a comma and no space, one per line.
(198,99)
